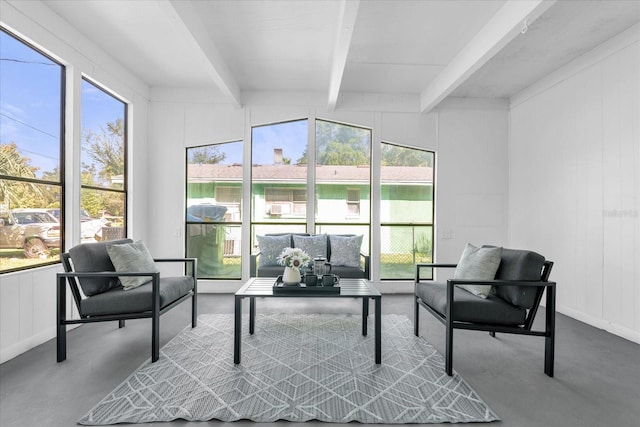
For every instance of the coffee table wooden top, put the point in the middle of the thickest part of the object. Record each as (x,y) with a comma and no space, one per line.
(263,287)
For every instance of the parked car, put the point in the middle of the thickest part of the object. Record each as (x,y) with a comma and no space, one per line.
(34,230)
(90,228)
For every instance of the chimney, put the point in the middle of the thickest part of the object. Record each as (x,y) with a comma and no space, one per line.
(277,156)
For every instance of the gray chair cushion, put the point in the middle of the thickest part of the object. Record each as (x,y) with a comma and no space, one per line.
(92,257)
(519,265)
(470,308)
(136,300)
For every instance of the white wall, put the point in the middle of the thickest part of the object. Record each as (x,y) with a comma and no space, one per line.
(575,182)
(28,298)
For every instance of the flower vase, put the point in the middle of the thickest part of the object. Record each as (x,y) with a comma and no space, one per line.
(291,276)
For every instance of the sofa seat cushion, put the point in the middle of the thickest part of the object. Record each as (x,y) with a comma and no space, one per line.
(470,308)
(347,272)
(93,257)
(136,300)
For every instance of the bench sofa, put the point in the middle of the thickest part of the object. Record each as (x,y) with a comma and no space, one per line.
(343,251)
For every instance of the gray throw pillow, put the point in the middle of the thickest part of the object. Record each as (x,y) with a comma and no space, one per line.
(345,251)
(271,247)
(132,258)
(314,246)
(478,264)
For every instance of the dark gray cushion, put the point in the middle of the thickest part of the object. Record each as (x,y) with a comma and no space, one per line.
(92,257)
(343,272)
(347,272)
(470,308)
(519,265)
(136,300)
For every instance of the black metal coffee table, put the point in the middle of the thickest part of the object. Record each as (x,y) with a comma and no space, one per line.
(349,288)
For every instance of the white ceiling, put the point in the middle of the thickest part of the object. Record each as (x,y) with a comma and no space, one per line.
(427,49)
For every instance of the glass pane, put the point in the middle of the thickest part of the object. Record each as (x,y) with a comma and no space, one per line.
(102,215)
(407,185)
(217,248)
(103,138)
(402,247)
(30,112)
(30,233)
(214,183)
(279,172)
(343,176)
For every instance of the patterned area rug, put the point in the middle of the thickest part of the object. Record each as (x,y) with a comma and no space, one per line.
(295,368)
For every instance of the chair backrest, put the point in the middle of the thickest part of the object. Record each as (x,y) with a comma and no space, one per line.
(92,257)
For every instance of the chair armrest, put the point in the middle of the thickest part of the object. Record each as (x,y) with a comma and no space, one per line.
(105,274)
(422,265)
(367,265)
(253,264)
(187,261)
(530,283)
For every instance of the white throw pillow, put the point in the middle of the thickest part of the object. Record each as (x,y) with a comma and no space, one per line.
(478,264)
(132,258)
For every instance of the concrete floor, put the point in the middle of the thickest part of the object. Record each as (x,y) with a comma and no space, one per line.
(596,383)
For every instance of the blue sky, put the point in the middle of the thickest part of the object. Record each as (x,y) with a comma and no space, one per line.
(30,116)
(30,104)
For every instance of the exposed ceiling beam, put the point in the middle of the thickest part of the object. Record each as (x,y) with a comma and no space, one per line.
(346,22)
(187,20)
(505,26)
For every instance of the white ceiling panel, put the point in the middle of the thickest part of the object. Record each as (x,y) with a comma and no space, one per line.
(395,46)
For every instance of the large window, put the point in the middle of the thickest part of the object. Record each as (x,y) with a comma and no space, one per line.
(214,209)
(406,210)
(31,153)
(103,192)
(279,178)
(343,180)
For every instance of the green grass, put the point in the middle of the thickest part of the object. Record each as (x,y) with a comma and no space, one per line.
(13,259)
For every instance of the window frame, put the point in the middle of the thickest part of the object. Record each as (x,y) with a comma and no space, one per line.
(61,152)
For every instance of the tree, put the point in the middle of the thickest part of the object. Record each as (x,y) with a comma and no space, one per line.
(13,164)
(106,149)
(393,155)
(338,144)
(209,155)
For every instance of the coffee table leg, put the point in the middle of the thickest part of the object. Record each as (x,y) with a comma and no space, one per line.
(378,303)
(252,315)
(365,315)
(237,330)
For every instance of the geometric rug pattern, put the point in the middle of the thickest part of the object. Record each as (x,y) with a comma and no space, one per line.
(296,367)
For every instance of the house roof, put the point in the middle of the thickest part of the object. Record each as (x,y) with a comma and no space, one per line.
(327,174)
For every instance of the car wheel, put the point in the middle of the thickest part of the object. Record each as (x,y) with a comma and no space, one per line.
(35,248)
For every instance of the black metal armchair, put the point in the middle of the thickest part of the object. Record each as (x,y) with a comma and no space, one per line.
(511,307)
(100,297)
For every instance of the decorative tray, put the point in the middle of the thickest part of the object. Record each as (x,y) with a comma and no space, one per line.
(300,288)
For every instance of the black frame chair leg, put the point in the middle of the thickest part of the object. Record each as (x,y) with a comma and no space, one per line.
(121,323)
(493,334)
(61,315)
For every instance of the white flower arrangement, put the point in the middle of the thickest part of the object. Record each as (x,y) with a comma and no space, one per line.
(294,258)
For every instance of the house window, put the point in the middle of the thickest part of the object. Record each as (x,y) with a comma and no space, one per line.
(213,218)
(103,154)
(353,201)
(31,153)
(285,201)
(406,210)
